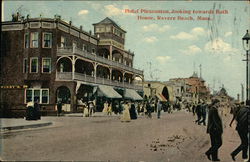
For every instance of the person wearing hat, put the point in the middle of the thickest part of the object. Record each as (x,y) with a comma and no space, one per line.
(242,129)
(215,130)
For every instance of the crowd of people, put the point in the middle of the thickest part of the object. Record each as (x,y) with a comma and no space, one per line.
(127,109)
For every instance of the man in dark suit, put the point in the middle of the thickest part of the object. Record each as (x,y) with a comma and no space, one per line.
(215,130)
(203,113)
(198,113)
(242,128)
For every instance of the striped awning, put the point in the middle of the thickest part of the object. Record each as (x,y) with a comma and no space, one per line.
(132,94)
(108,92)
(161,97)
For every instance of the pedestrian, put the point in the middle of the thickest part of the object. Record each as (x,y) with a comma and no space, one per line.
(37,113)
(91,108)
(125,115)
(30,111)
(235,110)
(85,110)
(198,112)
(159,107)
(105,107)
(148,107)
(109,109)
(203,113)
(215,130)
(242,129)
(194,109)
(59,107)
(132,111)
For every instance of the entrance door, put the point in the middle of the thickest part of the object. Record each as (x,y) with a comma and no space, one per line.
(63,95)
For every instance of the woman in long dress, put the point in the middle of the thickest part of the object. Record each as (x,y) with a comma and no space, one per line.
(105,108)
(125,116)
(85,110)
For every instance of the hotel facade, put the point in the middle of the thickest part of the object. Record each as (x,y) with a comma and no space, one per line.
(49,60)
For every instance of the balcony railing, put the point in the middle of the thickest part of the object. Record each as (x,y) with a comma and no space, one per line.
(85,54)
(69,76)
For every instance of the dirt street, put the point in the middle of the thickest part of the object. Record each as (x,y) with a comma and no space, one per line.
(174,138)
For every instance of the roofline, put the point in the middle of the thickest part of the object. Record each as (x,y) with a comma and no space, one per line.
(49,20)
(113,22)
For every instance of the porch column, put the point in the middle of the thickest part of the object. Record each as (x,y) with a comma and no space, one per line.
(73,68)
(95,67)
(110,53)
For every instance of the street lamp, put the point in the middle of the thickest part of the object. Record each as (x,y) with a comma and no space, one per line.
(246,46)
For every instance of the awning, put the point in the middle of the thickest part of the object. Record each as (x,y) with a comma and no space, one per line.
(161,97)
(132,94)
(108,92)
(79,83)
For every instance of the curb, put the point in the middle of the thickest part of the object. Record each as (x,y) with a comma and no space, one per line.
(26,126)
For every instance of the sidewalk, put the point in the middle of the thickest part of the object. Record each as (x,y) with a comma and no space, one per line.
(19,123)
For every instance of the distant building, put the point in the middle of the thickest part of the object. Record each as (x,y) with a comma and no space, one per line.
(49,60)
(191,89)
(158,90)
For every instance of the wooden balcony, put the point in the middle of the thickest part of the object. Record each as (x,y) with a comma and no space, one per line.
(78,52)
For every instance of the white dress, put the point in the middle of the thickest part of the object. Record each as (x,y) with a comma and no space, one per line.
(125,116)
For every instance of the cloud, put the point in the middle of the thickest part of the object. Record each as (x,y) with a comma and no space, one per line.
(218,46)
(114,10)
(163,59)
(198,31)
(192,35)
(155,28)
(150,39)
(83,12)
(191,50)
(227,34)
(183,36)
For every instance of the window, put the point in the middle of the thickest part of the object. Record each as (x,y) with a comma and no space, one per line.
(47,40)
(84,48)
(37,95)
(93,51)
(28,95)
(45,96)
(25,65)
(46,64)
(34,40)
(34,65)
(62,41)
(41,95)
(26,40)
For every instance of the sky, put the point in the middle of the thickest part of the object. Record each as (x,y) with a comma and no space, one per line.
(166,49)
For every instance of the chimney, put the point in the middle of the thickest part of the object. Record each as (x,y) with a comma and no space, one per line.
(90,32)
(70,22)
(81,27)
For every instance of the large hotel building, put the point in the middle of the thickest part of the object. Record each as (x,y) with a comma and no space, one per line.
(47,60)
